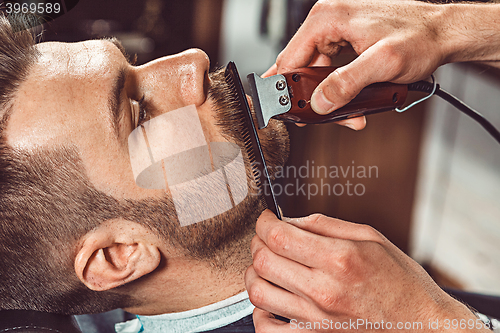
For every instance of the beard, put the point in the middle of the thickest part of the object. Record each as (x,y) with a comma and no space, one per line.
(216,239)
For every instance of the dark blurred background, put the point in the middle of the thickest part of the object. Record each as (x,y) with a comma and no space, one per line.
(150,28)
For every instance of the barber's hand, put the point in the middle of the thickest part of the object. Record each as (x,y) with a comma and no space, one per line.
(397,41)
(324,270)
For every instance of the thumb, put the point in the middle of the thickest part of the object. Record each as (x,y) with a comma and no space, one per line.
(345,83)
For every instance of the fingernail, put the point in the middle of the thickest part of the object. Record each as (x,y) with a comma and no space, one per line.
(350,125)
(320,103)
(291,220)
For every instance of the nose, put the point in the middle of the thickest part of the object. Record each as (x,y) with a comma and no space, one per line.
(175,81)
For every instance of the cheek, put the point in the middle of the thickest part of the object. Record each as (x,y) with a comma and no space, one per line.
(108,166)
(36,124)
(209,123)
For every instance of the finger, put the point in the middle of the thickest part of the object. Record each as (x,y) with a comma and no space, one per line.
(273,70)
(335,228)
(281,271)
(356,124)
(320,60)
(298,53)
(302,48)
(343,84)
(310,39)
(265,321)
(294,243)
(274,299)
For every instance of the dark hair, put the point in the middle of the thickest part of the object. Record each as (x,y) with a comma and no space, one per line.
(17,54)
(46,202)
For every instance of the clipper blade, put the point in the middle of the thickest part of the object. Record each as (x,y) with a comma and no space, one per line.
(270,97)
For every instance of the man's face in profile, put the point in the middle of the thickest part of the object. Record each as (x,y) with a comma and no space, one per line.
(86,96)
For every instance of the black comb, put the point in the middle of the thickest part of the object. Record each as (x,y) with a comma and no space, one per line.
(252,143)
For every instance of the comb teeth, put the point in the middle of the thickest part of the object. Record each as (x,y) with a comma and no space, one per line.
(245,135)
(251,141)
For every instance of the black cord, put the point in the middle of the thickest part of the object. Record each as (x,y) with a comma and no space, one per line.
(427,87)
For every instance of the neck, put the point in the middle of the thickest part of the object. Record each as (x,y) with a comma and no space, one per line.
(182,284)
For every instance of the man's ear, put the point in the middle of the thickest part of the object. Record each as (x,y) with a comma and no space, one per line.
(115,253)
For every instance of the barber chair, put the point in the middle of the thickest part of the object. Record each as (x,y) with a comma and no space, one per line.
(26,321)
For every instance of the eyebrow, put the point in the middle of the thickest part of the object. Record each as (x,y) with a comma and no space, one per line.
(114,100)
(118,86)
(120,47)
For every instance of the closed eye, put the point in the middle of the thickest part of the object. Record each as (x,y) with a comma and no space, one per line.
(139,111)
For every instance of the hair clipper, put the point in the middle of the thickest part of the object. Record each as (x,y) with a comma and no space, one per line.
(288,97)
